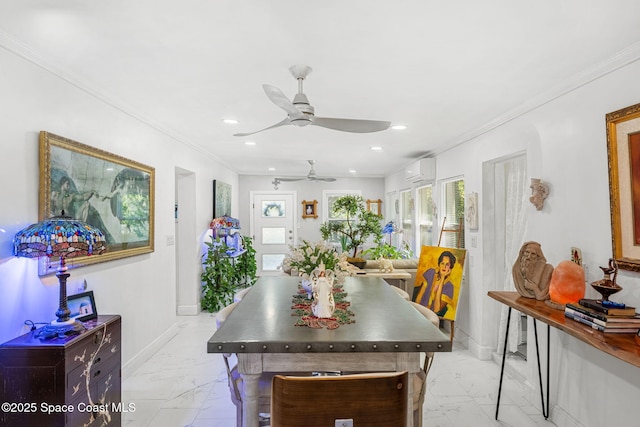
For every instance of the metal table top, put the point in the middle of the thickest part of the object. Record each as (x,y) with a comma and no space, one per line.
(384,322)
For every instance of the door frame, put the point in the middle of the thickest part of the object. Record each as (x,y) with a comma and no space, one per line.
(294,196)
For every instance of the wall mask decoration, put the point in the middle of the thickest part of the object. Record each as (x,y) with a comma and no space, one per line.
(539,192)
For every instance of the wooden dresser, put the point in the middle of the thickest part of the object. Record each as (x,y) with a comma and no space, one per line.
(72,381)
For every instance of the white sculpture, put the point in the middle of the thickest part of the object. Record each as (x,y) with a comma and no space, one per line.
(323,304)
(386,266)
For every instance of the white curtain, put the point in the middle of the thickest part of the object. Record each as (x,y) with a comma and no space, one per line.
(515,172)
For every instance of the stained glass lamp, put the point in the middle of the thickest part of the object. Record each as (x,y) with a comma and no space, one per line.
(63,237)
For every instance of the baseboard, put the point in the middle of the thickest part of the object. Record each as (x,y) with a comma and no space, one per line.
(139,359)
(189,310)
(479,351)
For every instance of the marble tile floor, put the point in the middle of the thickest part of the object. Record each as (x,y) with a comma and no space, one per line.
(184,386)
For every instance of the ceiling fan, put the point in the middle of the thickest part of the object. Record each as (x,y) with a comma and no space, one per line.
(301,113)
(311,176)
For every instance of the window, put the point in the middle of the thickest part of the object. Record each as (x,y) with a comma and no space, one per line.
(426,210)
(406,214)
(452,233)
(328,199)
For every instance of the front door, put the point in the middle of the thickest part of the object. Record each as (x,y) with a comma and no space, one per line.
(273,228)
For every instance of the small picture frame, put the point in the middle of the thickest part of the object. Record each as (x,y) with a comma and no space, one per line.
(309,209)
(374,206)
(82,306)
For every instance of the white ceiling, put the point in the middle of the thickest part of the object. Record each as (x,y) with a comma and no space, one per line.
(448,70)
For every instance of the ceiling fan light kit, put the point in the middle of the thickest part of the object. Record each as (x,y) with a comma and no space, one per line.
(301,113)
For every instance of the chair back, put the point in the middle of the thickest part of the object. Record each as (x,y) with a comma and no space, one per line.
(427,313)
(372,400)
(222,315)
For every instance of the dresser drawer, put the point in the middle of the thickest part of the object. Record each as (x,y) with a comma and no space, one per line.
(100,342)
(105,395)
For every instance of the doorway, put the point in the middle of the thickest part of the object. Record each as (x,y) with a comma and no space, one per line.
(505,223)
(273,228)
(186,244)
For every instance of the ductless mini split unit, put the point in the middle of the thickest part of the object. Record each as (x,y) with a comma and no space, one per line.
(422,170)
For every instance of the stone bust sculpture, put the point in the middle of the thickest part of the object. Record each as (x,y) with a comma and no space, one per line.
(531,273)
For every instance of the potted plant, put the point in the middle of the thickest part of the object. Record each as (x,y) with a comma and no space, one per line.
(358,225)
(223,274)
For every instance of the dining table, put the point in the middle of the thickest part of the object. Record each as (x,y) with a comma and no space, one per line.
(384,333)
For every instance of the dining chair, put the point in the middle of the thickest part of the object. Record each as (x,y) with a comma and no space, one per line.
(241,294)
(402,293)
(236,385)
(420,379)
(372,400)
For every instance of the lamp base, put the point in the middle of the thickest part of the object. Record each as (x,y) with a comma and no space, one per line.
(58,329)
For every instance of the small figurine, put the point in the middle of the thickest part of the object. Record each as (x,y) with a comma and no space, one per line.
(386,266)
(323,304)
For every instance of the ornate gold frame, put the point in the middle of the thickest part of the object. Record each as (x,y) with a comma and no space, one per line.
(103,181)
(375,206)
(621,124)
(314,209)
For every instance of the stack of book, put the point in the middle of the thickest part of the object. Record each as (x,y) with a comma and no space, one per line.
(621,320)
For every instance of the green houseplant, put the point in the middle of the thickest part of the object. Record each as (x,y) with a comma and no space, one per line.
(223,275)
(358,225)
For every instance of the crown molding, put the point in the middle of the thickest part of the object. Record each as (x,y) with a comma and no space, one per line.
(17,47)
(623,58)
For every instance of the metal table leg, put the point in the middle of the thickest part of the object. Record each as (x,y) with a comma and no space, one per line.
(504,357)
(545,408)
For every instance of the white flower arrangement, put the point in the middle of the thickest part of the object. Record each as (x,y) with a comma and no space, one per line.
(308,256)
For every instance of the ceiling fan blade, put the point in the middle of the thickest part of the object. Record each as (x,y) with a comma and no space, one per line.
(280,99)
(291,179)
(282,123)
(321,178)
(351,125)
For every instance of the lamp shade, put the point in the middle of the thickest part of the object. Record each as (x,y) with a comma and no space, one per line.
(59,236)
(63,237)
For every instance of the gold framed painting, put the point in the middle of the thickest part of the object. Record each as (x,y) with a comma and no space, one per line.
(107,191)
(309,209)
(374,206)
(623,147)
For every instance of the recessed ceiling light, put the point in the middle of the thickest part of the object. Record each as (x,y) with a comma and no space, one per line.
(272,169)
(398,127)
(376,148)
(352,171)
(230,121)
(249,143)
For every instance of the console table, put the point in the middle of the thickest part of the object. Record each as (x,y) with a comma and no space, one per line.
(392,277)
(621,346)
(71,381)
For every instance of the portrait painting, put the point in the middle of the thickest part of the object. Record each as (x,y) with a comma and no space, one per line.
(309,209)
(102,189)
(438,279)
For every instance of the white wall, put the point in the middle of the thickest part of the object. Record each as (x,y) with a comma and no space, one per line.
(565,144)
(141,289)
(307,228)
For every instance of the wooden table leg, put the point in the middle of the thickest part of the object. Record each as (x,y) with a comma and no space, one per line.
(250,369)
